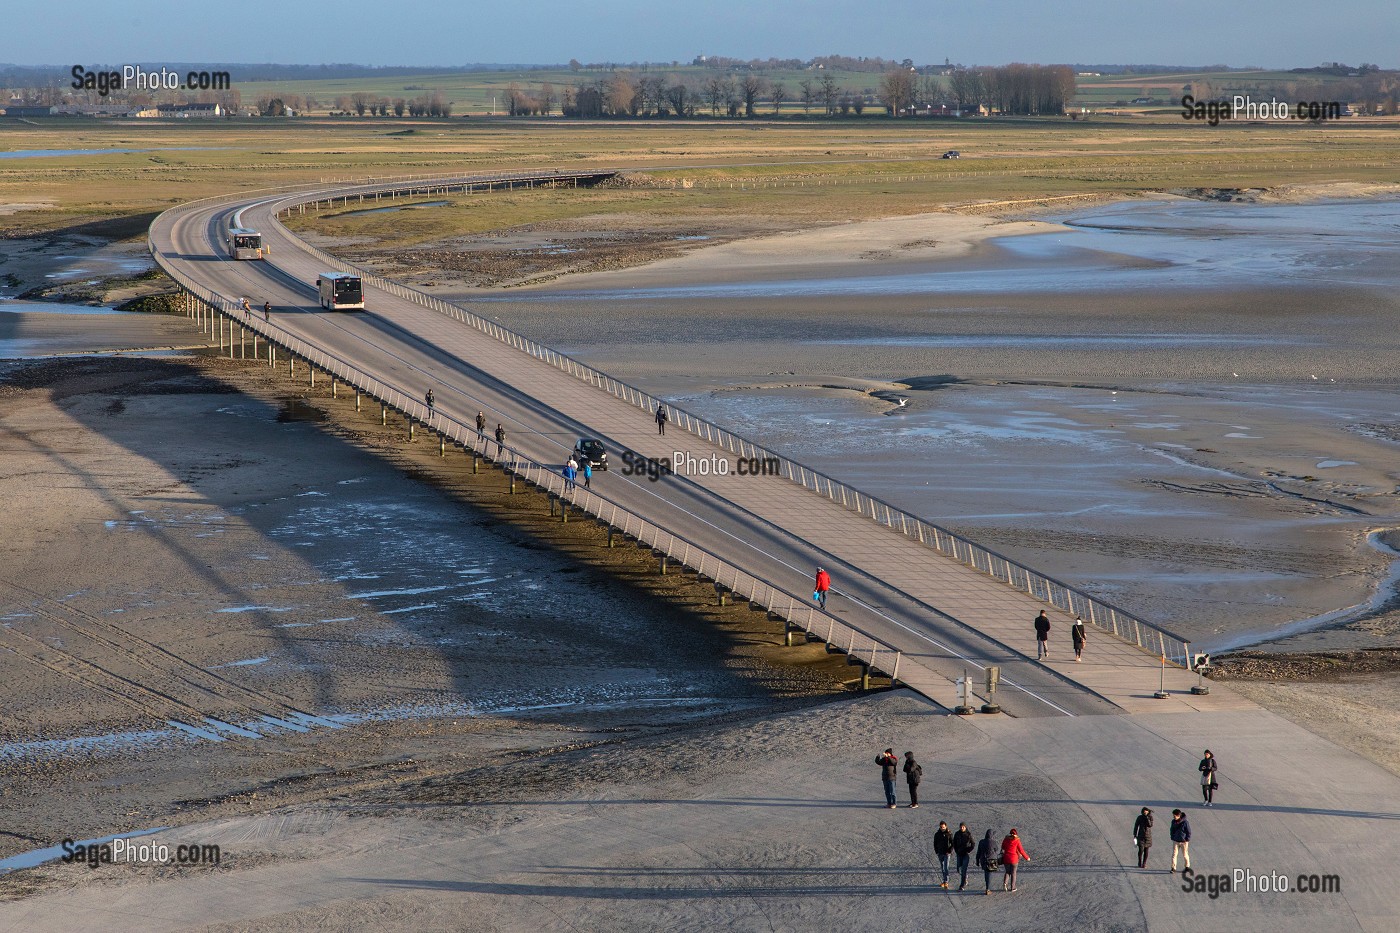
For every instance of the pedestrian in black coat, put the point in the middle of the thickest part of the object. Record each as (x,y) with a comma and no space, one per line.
(889,770)
(913,774)
(1042,636)
(943,847)
(987,852)
(963,847)
(1142,835)
(1207,768)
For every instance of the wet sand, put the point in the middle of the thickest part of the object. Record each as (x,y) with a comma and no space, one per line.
(190,541)
(1186,408)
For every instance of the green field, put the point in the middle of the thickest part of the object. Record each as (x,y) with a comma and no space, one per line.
(484,92)
(818,170)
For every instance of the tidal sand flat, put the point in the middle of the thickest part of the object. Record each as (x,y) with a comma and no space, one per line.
(1186,407)
(216,599)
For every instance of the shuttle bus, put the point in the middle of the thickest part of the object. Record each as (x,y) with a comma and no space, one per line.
(340,291)
(244,244)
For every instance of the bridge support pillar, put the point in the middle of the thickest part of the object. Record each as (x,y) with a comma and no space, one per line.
(611,531)
(790,634)
(357,400)
(476,463)
(242,342)
(410,429)
(256,352)
(383,413)
(512,484)
(291,365)
(312,369)
(720,595)
(563,512)
(551,505)
(865,677)
(335,386)
(442,445)
(663,565)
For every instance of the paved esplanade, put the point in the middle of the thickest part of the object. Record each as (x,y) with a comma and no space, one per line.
(944,616)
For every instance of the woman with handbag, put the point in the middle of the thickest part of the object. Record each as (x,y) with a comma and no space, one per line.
(987,860)
(1208,782)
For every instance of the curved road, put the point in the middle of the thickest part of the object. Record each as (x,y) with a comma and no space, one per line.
(939,612)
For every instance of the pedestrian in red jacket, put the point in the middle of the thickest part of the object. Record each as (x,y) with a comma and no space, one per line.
(820,587)
(1012,852)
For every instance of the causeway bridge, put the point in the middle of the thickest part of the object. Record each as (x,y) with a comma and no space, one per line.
(910,600)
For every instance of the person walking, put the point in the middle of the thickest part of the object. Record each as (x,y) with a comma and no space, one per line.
(889,769)
(500,441)
(1181,839)
(661,419)
(1012,854)
(247,309)
(913,774)
(1142,835)
(1042,636)
(587,473)
(1208,782)
(267,311)
(987,860)
(1076,635)
(428,399)
(570,474)
(821,586)
(481,423)
(963,846)
(943,847)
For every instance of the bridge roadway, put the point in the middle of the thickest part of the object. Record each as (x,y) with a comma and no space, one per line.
(944,616)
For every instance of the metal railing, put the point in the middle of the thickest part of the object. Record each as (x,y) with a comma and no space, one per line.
(727,578)
(1154,639)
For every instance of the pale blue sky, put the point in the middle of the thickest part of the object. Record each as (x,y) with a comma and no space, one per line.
(1272,33)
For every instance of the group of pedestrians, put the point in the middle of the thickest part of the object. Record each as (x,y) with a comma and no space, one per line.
(1006,856)
(1180,828)
(956,851)
(1077,636)
(572,471)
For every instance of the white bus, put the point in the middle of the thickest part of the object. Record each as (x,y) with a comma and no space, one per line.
(244,244)
(340,291)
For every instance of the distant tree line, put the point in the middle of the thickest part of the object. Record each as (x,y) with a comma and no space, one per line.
(424,105)
(1015,89)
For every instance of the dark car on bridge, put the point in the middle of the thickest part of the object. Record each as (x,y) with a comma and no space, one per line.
(591,451)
